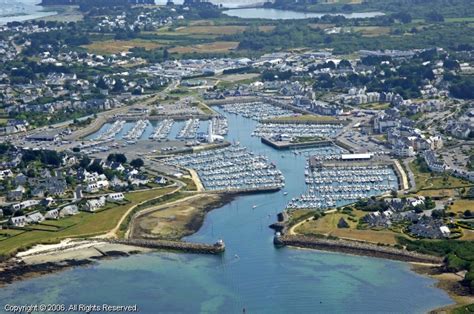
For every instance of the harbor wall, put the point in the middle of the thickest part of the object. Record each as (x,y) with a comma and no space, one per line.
(357,248)
(288,145)
(182,246)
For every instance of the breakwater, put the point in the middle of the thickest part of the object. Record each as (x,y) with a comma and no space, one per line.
(289,145)
(353,247)
(188,247)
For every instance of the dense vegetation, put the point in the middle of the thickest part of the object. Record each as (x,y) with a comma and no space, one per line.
(417,8)
(463,87)
(297,34)
(459,255)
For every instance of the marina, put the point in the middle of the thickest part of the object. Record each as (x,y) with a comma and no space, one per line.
(263,279)
(334,186)
(189,129)
(219,126)
(163,129)
(291,131)
(257,110)
(232,168)
(111,132)
(137,131)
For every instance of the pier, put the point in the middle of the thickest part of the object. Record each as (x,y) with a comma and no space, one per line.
(353,247)
(188,247)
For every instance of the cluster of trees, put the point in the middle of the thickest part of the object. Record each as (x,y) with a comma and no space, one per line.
(291,35)
(462,87)
(273,75)
(54,40)
(46,157)
(371,205)
(121,158)
(459,255)
(152,55)
(5,147)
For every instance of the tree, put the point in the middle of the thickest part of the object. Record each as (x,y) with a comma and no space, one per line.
(85,161)
(467,213)
(137,163)
(344,64)
(403,17)
(434,17)
(436,214)
(117,158)
(102,84)
(96,167)
(118,86)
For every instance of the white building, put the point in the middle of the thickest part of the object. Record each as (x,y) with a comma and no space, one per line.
(115,197)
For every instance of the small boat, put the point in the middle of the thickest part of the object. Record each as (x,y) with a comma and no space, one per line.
(254,206)
(285,193)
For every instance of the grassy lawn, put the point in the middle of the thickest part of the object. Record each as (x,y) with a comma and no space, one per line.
(376,106)
(240,78)
(213,47)
(211,30)
(438,193)
(462,205)
(372,31)
(117,46)
(327,225)
(306,139)
(433,181)
(82,225)
(205,109)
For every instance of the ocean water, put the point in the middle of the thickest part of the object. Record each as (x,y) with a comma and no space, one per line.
(252,274)
(22,10)
(275,14)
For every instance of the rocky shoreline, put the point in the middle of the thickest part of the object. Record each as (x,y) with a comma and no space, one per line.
(49,261)
(70,253)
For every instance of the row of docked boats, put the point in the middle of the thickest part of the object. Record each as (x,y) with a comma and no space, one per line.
(293,130)
(257,110)
(219,126)
(233,168)
(137,131)
(333,186)
(163,129)
(112,131)
(189,129)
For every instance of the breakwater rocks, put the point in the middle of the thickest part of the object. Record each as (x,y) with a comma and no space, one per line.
(188,247)
(353,247)
(15,270)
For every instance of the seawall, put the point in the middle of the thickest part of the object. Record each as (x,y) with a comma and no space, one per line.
(182,246)
(357,248)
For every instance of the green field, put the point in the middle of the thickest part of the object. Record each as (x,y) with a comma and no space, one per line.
(81,225)
(432,181)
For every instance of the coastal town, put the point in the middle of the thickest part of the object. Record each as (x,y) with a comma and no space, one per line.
(125,128)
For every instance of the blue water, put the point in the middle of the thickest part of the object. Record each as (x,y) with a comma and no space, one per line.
(251,274)
(22,10)
(275,14)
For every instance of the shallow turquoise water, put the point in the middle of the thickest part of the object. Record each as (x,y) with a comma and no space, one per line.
(252,274)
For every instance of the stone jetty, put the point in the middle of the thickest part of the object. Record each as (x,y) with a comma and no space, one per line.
(188,247)
(354,247)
